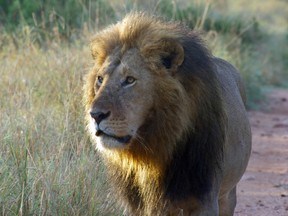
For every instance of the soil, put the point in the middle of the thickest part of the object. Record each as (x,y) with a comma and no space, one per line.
(263,190)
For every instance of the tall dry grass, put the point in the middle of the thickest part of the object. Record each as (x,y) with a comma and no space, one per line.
(47,164)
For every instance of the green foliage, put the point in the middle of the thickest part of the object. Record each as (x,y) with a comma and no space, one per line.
(196,16)
(55,15)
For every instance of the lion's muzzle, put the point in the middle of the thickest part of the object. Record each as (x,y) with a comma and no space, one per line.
(109,133)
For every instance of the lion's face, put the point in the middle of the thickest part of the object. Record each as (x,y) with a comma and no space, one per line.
(121,103)
(134,92)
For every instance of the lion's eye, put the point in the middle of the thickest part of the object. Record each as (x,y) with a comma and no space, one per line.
(99,80)
(129,81)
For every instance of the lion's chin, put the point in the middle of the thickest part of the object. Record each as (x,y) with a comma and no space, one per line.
(105,141)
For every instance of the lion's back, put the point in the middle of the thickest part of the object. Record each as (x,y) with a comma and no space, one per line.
(238,140)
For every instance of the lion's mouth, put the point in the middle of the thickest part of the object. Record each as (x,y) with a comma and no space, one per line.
(124,139)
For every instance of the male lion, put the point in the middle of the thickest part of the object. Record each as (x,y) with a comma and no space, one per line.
(168,119)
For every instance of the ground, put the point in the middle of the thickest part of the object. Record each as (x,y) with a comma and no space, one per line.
(263,190)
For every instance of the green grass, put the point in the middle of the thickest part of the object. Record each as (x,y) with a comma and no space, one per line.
(47,163)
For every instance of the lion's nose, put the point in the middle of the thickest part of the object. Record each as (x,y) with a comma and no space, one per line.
(99,116)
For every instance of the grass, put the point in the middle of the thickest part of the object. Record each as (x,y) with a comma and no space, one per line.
(47,163)
(48,166)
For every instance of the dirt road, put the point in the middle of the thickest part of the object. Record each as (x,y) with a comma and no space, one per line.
(263,190)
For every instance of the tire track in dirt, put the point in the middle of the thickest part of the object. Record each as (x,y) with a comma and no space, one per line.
(263,190)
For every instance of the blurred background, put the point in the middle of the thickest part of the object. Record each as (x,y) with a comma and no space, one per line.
(47,164)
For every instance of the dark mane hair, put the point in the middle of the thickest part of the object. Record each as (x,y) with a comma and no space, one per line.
(194,165)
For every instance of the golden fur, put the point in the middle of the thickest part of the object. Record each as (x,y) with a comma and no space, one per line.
(175,113)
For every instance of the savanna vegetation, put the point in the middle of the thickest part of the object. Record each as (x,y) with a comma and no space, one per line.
(47,163)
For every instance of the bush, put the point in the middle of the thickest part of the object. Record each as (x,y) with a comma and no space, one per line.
(55,15)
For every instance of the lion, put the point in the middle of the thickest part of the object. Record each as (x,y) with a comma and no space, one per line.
(167,117)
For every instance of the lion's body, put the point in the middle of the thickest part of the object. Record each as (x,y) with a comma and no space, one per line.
(168,119)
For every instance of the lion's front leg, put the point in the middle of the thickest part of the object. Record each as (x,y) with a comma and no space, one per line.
(227,203)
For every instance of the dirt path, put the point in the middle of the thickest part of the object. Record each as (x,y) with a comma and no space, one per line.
(263,190)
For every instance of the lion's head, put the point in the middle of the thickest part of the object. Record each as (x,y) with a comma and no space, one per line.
(135,86)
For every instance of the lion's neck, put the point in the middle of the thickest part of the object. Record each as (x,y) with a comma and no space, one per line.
(143,168)
(140,174)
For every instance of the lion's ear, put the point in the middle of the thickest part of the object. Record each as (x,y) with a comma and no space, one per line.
(171,55)
(98,51)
